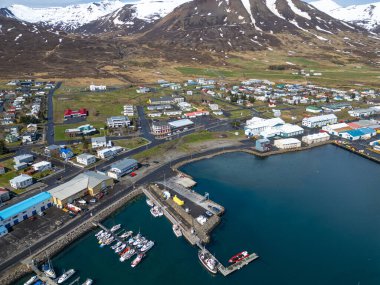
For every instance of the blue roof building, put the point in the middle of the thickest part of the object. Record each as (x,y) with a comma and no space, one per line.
(359,133)
(25,209)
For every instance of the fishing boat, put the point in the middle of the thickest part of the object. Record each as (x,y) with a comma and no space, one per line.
(31,280)
(115,227)
(238,257)
(88,282)
(126,234)
(137,260)
(128,255)
(149,203)
(66,275)
(208,261)
(99,233)
(177,231)
(154,212)
(147,246)
(48,269)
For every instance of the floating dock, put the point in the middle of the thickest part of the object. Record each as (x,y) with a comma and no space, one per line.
(225,271)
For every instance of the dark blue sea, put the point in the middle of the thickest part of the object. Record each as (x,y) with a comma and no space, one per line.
(313,217)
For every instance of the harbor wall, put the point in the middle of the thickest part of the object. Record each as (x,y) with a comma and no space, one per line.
(18,271)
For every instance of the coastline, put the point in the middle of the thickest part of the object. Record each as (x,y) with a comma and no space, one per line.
(19,270)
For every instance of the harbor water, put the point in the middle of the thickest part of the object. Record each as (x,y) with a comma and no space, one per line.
(313,217)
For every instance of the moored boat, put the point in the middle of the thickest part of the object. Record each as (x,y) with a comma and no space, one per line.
(208,261)
(31,280)
(238,257)
(66,275)
(88,281)
(48,269)
(115,227)
(177,231)
(137,260)
(147,246)
(149,203)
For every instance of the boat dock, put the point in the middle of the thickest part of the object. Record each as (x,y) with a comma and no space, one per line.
(114,235)
(41,275)
(225,271)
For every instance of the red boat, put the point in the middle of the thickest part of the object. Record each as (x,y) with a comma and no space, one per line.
(124,251)
(238,257)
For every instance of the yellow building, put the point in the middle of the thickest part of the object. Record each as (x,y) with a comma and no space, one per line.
(88,183)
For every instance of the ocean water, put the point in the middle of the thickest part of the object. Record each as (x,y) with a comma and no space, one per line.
(313,217)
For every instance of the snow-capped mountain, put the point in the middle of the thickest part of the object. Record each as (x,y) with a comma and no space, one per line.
(67,18)
(132,18)
(365,15)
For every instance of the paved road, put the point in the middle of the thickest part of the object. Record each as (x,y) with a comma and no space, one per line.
(50,115)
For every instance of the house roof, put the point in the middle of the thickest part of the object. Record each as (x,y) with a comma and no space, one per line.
(124,163)
(98,140)
(85,156)
(181,123)
(20,178)
(23,205)
(79,183)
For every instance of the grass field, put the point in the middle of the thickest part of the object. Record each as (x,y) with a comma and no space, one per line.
(131,143)
(59,130)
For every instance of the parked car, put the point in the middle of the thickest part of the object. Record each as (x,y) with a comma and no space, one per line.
(133,174)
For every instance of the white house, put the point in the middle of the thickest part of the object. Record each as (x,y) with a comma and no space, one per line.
(42,166)
(21,181)
(118,122)
(128,110)
(86,159)
(98,142)
(361,113)
(288,143)
(316,138)
(94,88)
(105,153)
(319,121)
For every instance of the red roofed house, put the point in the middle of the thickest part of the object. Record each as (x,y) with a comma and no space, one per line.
(82,112)
(196,114)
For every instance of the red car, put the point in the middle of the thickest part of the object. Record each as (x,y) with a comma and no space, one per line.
(133,174)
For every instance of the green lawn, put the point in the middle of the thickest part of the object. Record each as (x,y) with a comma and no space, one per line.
(59,130)
(131,143)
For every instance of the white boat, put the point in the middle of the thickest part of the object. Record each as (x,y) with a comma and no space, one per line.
(156,212)
(31,280)
(115,227)
(88,281)
(99,233)
(66,276)
(48,269)
(208,261)
(147,246)
(177,230)
(149,202)
(126,234)
(137,260)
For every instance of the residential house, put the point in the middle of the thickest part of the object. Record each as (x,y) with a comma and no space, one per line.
(66,153)
(99,142)
(94,88)
(26,158)
(82,112)
(52,150)
(42,166)
(118,122)
(21,181)
(29,137)
(161,128)
(4,195)
(86,159)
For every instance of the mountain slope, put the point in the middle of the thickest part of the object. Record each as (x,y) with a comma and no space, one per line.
(132,18)
(365,15)
(244,24)
(66,18)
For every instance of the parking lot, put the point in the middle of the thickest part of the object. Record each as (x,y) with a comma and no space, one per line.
(29,231)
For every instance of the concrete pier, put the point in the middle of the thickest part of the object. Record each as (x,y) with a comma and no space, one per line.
(41,275)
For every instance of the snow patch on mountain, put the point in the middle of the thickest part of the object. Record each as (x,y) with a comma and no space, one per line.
(271,4)
(150,10)
(298,11)
(69,17)
(247,6)
(365,15)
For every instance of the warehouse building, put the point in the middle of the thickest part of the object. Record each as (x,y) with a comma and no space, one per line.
(181,124)
(362,113)
(88,183)
(288,143)
(319,121)
(122,167)
(263,145)
(316,138)
(256,125)
(289,130)
(23,210)
(362,133)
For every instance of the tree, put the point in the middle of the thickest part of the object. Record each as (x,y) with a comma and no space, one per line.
(3,147)
(252,99)
(327,99)
(353,96)
(85,143)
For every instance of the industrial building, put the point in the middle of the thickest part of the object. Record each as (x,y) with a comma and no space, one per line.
(289,130)
(263,145)
(319,121)
(256,125)
(87,183)
(122,167)
(288,143)
(362,113)
(181,124)
(21,181)
(23,210)
(362,133)
(316,138)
